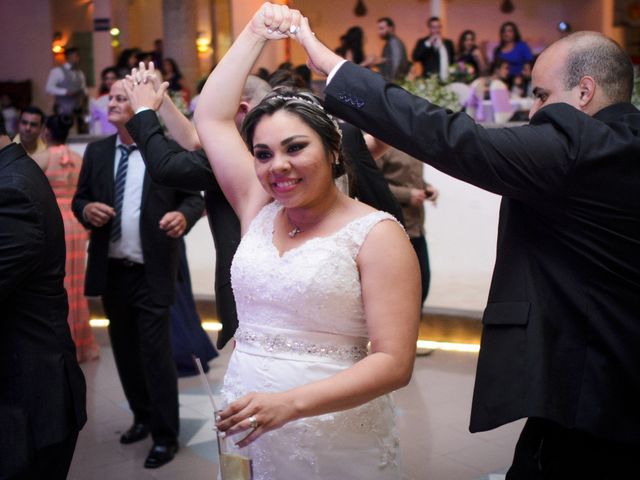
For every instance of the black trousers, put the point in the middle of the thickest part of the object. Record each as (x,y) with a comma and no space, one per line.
(546,450)
(140,331)
(51,462)
(420,246)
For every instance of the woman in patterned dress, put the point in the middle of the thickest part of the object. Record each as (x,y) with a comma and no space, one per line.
(62,167)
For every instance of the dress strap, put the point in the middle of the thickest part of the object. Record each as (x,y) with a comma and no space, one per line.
(356,232)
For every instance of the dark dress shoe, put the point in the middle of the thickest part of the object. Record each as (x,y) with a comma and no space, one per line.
(160,454)
(137,432)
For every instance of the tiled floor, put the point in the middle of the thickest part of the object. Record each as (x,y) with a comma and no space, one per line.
(433,420)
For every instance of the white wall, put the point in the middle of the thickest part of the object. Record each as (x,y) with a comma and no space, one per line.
(25,50)
(461,237)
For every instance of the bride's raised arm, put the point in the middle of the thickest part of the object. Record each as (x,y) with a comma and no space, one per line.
(215,115)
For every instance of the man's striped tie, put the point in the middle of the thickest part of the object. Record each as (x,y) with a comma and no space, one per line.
(121,180)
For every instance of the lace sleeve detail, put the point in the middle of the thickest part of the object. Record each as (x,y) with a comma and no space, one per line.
(357,231)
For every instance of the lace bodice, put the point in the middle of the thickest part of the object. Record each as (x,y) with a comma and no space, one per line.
(301,320)
(314,287)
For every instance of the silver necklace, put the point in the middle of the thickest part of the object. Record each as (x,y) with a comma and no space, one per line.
(296,229)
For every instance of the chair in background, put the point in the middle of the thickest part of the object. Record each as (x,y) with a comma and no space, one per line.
(462,90)
(500,103)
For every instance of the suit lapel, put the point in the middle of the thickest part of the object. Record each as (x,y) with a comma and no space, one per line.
(110,155)
(145,190)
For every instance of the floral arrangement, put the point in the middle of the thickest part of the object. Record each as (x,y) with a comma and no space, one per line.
(433,90)
(462,72)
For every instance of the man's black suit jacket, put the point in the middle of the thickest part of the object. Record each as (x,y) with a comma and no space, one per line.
(561,329)
(161,255)
(370,185)
(42,392)
(429,57)
(172,166)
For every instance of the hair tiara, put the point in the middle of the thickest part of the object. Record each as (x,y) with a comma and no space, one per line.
(317,105)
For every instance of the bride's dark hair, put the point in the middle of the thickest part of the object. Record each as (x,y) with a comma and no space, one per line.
(308,108)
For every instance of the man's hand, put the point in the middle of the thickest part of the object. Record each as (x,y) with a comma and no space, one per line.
(417,197)
(98,213)
(144,88)
(321,59)
(174,224)
(432,194)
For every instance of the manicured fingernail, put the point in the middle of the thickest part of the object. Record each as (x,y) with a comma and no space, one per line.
(222,434)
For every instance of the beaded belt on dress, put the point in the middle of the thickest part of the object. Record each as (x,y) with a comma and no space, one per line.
(295,343)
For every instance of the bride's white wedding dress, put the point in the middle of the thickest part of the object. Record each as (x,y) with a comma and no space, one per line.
(301,319)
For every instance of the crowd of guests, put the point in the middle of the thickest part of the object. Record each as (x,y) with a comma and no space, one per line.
(434,54)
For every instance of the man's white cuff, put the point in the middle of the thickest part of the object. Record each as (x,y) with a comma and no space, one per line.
(334,70)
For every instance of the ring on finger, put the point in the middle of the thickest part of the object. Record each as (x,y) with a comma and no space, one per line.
(293,29)
(253,423)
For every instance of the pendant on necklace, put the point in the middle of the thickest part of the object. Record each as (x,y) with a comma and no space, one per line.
(294,232)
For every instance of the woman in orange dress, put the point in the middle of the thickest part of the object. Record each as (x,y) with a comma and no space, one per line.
(62,167)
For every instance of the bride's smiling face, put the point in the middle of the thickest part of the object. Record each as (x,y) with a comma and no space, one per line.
(290,160)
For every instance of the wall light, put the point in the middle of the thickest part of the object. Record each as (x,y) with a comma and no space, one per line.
(564,27)
(57,45)
(202,43)
(115,37)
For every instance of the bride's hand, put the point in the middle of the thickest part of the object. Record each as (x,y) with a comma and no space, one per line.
(274,22)
(256,414)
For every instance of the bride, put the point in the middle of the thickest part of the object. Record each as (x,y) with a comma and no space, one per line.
(327,288)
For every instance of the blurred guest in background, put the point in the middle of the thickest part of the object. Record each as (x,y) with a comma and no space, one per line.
(99,123)
(10,115)
(469,53)
(434,52)
(405,176)
(157,54)
(178,91)
(127,60)
(512,49)
(394,65)
(29,129)
(351,47)
(62,167)
(68,86)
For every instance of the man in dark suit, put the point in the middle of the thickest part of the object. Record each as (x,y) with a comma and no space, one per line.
(434,52)
(561,330)
(133,258)
(42,397)
(185,165)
